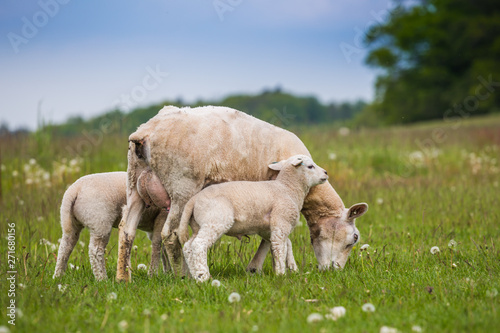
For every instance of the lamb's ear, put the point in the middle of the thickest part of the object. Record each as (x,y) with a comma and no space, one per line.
(357,210)
(297,160)
(276,165)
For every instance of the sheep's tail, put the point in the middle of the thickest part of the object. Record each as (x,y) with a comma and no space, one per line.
(183,231)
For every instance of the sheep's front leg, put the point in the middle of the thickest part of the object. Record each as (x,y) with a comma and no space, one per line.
(156,246)
(258,259)
(127,230)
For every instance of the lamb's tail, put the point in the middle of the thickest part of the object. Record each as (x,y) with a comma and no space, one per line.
(67,204)
(183,231)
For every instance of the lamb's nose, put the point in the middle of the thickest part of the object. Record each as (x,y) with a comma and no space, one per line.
(326,173)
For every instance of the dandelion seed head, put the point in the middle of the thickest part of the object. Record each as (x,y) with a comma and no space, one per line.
(164,317)
(387,329)
(314,318)
(452,244)
(368,307)
(416,328)
(234,298)
(15,173)
(255,328)
(112,296)
(19,313)
(71,266)
(123,325)
(216,283)
(380,201)
(338,311)
(62,288)
(492,293)
(4,329)
(364,247)
(344,131)
(146,312)
(332,156)
(142,267)
(435,250)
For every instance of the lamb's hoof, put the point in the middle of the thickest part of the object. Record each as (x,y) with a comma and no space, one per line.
(253,270)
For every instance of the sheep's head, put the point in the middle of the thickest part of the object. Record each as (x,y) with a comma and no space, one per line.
(333,238)
(304,166)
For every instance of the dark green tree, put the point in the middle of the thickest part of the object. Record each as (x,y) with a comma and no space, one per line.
(440,58)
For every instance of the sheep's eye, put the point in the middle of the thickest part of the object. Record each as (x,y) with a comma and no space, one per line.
(311,167)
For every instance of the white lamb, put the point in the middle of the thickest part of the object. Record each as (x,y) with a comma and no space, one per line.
(270,209)
(98,202)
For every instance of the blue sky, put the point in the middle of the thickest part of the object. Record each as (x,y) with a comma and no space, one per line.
(72,57)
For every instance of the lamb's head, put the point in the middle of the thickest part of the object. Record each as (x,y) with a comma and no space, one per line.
(303,167)
(333,238)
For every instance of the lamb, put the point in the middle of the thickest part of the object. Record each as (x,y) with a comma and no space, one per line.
(98,202)
(270,209)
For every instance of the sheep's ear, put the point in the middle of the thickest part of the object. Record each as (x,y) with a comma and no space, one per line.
(297,161)
(276,166)
(357,210)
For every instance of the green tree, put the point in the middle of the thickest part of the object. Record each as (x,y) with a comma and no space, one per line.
(435,57)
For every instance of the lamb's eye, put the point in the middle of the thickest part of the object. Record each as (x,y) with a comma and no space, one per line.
(311,167)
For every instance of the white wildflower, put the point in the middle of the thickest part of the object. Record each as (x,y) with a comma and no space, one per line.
(416,328)
(416,158)
(216,283)
(142,267)
(452,244)
(435,250)
(380,201)
(387,329)
(364,247)
(123,325)
(337,312)
(4,329)
(368,307)
(21,286)
(19,313)
(344,131)
(29,181)
(21,202)
(164,317)
(492,293)
(146,312)
(453,265)
(32,161)
(234,298)
(181,311)
(15,173)
(71,266)
(332,156)
(314,318)
(82,244)
(255,328)
(3,167)
(112,296)
(135,247)
(62,288)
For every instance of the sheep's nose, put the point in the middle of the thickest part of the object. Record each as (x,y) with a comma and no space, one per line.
(326,173)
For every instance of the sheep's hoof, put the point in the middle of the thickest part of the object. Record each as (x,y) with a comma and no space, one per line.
(252,270)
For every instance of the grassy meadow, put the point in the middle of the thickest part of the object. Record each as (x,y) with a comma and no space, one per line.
(426,185)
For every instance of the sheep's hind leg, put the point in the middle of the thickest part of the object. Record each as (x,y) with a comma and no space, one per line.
(67,245)
(97,247)
(156,243)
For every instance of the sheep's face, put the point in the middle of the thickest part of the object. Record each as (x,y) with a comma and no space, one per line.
(333,238)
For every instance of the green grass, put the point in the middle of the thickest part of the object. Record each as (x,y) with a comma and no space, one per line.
(417,200)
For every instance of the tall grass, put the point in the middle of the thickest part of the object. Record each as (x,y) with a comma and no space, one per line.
(426,185)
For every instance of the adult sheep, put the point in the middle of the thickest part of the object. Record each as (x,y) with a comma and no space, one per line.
(189,149)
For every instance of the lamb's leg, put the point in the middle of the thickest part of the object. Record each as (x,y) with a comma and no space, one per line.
(196,249)
(258,259)
(290,260)
(279,236)
(127,230)
(97,246)
(156,246)
(68,242)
